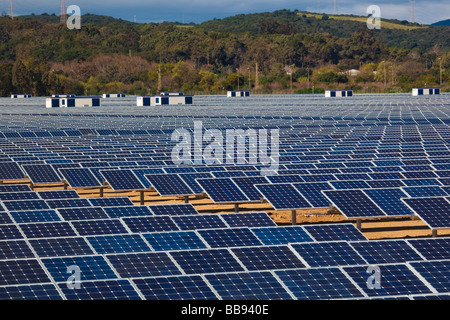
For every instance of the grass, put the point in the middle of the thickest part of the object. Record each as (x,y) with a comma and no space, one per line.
(384,24)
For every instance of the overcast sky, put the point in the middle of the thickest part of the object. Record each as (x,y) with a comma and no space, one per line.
(426,11)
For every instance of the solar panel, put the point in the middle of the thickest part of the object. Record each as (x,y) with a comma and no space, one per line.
(281,235)
(120,243)
(175,288)
(140,174)
(10,171)
(120,180)
(15,249)
(97,227)
(30,292)
(35,216)
(111,202)
(152,264)
(283,196)
(127,211)
(80,177)
(47,230)
(222,190)
(425,191)
(14,188)
(193,222)
(334,232)
(169,184)
(353,203)
(229,237)
(328,254)
(25,271)
(58,194)
(58,247)
(150,224)
(432,210)
(386,251)
(174,209)
(312,191)
(267,258)
(206,261)
(350,184)
(248,286)
(433,248)
(90,267)
(389,200)
(247,186)
(435,273)
(102,290)
(181,240)
(68,203)
(321,283)
(42,173)
(385,183)
(83,213)
(23,195)
(190,180)
(248,219)
(25,205)
(396,279)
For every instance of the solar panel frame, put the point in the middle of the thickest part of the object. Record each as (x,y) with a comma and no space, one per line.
(80,177)
(123,180)
(291,200)
(41,173)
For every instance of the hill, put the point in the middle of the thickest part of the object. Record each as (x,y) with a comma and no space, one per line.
(442,23)
(87,18)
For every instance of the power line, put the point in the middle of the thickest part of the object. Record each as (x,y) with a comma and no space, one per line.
(62,18)
(412,10)
(335,7)
(11,13)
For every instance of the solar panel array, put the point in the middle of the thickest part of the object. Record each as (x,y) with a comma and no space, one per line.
(372,156)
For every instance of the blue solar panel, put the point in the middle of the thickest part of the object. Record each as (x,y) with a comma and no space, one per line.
(206,261)
(389,200)
(433,211)
(435,273)
(22,272)
(353,203)
(181,240)
(174,209)
(15,249)
(267,258)
(128,211)
(421,182)
(150,224)
(283,196)
(281,235)
(350,184)
(35,216)
(247,186)
(386,251)
(433,248)
(23,205)
(385,183)
(97,227)
(193,222)
(153,264)
(425,191)
(190,180)
(140,174)
(47,230)
(83,213)
(43,173)
(30,292)
(111,202)
(90,267)
(229,237)
(328,254)
(248,286)
(222,190)
(10,171)
(312,191)
(249,219)
(334,232)
(23,195)
(14,188)
(315,284)
(122,180)
(169,184)
(80,177)
(102,290)
(58,194)
(175,288)
(57,247)
(395,280)
(68,203)
(121,243)
(285,178)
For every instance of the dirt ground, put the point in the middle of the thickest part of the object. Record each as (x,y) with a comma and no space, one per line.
(380,228)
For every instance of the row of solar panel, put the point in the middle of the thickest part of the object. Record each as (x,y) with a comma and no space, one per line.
(271,272)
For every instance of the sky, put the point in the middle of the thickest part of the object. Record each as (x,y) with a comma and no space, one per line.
(197,11)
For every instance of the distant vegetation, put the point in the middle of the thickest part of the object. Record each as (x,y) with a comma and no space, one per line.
(292,49)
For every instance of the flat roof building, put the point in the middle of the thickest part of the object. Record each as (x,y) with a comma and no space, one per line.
(240,93)
(338,93)
(425,91)
(68,102)
(166,99)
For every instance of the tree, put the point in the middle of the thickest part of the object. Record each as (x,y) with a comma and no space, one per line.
(6,87)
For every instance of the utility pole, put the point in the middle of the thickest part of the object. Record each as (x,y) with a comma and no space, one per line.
(384,65)
(256,76)
(412,10)
(62,17)
(237,69)
(11,13)
(440,72)
(249,79)
(335,7)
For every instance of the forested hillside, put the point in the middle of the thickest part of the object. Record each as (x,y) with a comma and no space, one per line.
(38,55)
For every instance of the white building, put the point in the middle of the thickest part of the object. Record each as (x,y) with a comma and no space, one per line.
(72,101)
(425,91)
(338,93)
(166,99)
(114,95)
(240,93)
(20,96)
